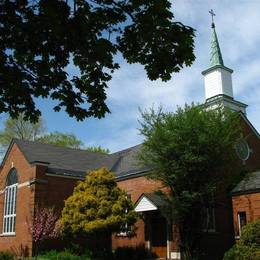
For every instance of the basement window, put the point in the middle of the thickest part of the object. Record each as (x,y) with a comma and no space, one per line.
(9,220)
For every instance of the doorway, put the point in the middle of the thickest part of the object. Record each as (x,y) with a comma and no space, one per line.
(158,235)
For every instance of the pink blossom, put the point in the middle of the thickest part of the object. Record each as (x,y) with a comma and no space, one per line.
(45,224)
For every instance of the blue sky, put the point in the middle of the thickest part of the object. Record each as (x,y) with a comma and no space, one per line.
(238,28)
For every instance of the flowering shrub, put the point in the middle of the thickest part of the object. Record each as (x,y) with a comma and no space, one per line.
(44,225)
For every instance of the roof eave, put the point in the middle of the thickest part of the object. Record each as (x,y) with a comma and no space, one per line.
(250,125)
(244,192)
(216,67)
(132,175)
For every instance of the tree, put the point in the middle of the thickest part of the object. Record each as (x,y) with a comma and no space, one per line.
(61,139)
(98,149)
(190,152)
(44,226)
(97,206)
(40,38)
(21,129)
(70,141)
(25,130)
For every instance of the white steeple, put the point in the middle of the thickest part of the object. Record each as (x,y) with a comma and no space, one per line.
(218,79)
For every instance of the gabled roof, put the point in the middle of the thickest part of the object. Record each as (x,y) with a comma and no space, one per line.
(149,202)
(76,162)
(63,158)
(250,184)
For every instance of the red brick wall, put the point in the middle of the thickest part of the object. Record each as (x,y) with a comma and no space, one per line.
(20,243)
(250,203)
(135,187)
(139,185)
(55,191)
(48,191)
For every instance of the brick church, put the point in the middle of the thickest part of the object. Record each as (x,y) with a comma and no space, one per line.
(33,173)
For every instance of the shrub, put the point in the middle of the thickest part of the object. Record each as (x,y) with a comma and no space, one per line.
(64,255)
(91,209)
(132,253)
(251,234)
(6,255)
(242,252)
(248,248)
(49,254)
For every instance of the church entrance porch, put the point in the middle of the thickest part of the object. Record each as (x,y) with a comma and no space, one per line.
(158,232)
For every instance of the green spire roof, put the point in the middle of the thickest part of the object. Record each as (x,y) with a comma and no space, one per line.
(215,53)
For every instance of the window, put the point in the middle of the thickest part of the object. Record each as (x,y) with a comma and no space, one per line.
(209,223)
(241,221)
(10,203)
(126,229)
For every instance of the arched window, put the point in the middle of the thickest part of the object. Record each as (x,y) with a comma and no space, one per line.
(10,202)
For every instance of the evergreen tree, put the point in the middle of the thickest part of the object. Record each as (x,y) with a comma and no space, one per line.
(97,206)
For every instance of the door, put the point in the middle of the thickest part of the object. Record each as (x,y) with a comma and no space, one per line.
(159,236)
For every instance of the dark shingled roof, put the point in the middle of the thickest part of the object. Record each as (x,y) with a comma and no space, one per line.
(155,199)
(127,163)
(76,162)
(251,183)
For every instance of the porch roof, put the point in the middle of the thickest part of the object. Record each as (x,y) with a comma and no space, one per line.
(149,202)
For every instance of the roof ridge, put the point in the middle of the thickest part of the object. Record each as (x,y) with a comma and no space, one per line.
(126,149)
(57,146)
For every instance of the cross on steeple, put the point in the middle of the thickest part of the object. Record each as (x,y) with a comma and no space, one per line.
(212,17)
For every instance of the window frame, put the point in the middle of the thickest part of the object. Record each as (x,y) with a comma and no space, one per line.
(239,213)
(126,230)
(10,201)
(209,213)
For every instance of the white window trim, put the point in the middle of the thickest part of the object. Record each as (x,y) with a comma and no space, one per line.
(128,229)
(239,223)
(10,194)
